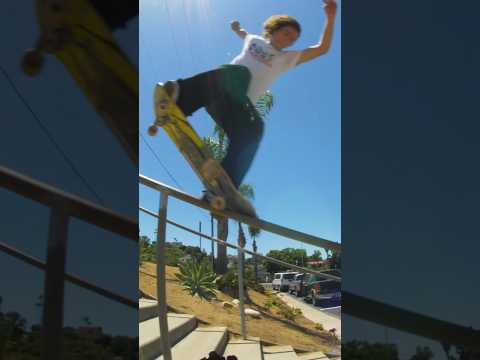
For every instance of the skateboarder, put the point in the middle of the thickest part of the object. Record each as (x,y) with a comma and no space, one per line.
(230,92)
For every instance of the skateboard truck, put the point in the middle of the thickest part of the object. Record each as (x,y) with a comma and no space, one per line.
(216,202)
(32,61)
(51,42)
(53,37)
(162,118)
(159,122)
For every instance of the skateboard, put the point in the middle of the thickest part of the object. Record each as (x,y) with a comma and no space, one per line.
(73,32)
(221,192)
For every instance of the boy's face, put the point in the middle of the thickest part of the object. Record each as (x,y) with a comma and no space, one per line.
(284,37)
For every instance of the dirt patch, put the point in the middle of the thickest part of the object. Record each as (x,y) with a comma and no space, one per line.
(212,312)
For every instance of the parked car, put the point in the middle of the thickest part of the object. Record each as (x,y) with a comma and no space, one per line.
(299,285)
(295,284)
(326,293)
(281,281)
(311,289)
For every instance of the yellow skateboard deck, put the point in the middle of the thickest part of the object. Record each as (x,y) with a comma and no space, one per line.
(221,193)
(73,32)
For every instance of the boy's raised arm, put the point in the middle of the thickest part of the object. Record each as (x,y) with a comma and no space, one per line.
(323,46)
(235,25)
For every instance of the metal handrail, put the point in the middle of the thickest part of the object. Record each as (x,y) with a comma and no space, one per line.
(63,206)
(253,253)
(73,205)
(409,321)
(69,277)
(258,223)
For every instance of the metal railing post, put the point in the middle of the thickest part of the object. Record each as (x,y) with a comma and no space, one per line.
(161,287)
(241,292)
(52,322)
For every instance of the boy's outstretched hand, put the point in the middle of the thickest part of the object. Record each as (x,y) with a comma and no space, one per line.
(330,8)
(235,25)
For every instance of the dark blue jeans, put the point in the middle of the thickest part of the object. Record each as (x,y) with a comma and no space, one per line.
(223,94)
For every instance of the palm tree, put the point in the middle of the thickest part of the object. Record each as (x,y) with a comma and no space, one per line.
(265,104)
(218,144)
(247,191)
(254,233)
(222,234)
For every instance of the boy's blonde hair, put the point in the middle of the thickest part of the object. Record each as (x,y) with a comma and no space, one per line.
(276,22)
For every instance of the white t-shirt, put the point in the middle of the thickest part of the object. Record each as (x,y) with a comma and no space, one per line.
(264,62)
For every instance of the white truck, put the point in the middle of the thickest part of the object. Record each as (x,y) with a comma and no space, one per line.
(281,281)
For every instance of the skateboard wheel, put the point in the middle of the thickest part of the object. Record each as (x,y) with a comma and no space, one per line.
(152,130)
(218,203)
(32,62)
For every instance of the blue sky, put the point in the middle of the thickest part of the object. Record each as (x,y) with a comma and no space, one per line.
(296,173)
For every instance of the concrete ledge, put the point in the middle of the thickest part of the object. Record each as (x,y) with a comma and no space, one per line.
(249,349)
(199,343)
(150,345)
(313,356)
(279,353)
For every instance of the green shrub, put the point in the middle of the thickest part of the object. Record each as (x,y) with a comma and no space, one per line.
(289,313)
(268,303)
(198,278)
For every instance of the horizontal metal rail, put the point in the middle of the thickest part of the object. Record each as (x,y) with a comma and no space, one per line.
(72,204)
(409,321)
(233,246)
(62,206)
(70,278)
(258,223)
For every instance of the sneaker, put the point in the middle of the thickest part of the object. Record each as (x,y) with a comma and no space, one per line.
(173,89)
(244,206)
(239,204)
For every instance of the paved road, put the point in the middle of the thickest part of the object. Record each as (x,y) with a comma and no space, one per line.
(334,311)
(330,318)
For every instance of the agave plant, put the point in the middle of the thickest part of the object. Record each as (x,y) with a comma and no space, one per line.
(265,104)
(198,279)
